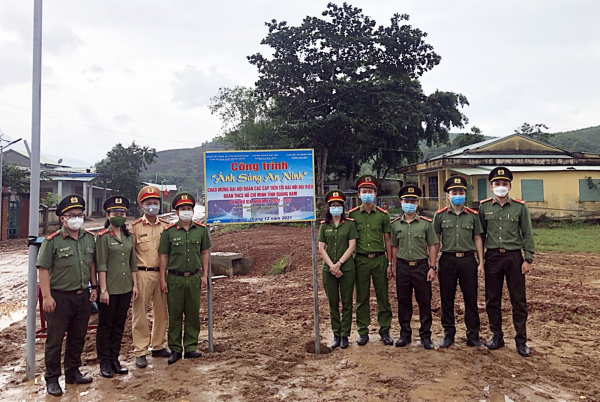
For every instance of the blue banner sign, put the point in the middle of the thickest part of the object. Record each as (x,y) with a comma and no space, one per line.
(259,186)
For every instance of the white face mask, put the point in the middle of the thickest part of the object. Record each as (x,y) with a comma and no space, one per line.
(75,223)
(500,191)
(186,216)
(151,210)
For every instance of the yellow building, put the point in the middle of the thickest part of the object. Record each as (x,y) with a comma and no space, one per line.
(553,181)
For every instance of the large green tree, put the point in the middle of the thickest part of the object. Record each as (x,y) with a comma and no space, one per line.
(349,89)
(536,131)
(122,167)
(15,177)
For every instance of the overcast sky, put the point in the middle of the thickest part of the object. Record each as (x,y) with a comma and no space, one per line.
(144,71)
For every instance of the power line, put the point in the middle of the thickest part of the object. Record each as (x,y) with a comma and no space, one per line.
(100,128)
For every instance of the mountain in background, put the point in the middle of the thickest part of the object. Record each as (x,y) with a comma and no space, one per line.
(185,167)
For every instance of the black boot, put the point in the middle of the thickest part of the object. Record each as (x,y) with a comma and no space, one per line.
(53,389)
(447,341)
(116,366)
(78,378)
(336,342)
(106,369)
(344,342)
(192,355)
(362,340)
(403,341)
(523,349)
(174,357)
(427,344)
(495,343)
(386,339)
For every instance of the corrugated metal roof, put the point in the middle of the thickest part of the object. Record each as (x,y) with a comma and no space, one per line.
(475,171)
(511,156)
(485,170)
(66,178)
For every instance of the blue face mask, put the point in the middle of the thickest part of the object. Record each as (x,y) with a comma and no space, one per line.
(336,211)
(409,208)
(457,199)
(367,198)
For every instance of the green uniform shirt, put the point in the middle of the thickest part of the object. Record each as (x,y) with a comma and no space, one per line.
(457,231)
(184,247)
(507,226)
(413,238)
(67,260)
(337,239)
(371,226)
(116,257)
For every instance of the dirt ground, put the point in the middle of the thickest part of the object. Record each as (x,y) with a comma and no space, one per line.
(264,335)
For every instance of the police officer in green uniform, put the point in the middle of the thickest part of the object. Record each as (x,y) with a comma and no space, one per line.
(337,241)
(414,244)
(507,231)
(459,229)
(117,275)
(65,267)
(184,251)
(373,260)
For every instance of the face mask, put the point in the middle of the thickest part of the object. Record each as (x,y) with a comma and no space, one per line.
(186,216)
(336,211)
(500,191)
(409,208)
(151,210)
(117,221)
(75,223)
(367,198)
(457,199)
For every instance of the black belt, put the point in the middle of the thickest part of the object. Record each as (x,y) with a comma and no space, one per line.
(414,263)
(502,250)
(459,254)
(70,292)
(149,269)
(371,255)
(186,274)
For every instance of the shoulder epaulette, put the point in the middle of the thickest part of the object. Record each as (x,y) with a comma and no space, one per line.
(350,219)
(103,232)
(471,210)
(89,232)
(322,222)
(439,211)
(426,218)
(353,209)
(200,224)
(519,201)
(395,219)
(135,222)
(52,235)
(169,226)
(163,220)
(486,200)
(382,210)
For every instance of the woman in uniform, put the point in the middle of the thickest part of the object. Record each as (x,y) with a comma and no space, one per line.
(337,241)
(117,276)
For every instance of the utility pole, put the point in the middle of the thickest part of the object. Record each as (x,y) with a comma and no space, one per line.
(2,148)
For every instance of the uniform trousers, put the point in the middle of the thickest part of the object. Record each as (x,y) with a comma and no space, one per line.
(409,278)
(71,315)
(499,265)
(336,288)
(183,300)
(111,324)
(149,288)
(376,268)
(461,270)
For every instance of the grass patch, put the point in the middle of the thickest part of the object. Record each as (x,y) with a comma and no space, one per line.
(568,238)
(229,228)
(280,266)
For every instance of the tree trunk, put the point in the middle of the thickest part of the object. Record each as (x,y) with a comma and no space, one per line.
(321,168)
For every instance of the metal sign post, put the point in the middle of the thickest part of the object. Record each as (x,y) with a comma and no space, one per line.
(34,189)
(209,304)
(313,227)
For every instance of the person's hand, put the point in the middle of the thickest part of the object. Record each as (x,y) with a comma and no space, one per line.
(391,272)
(431,275)
(163,286)
(204,281)
(526,267)
(93,295)
(49,304)
(480,269)
(134,293)
(104,298)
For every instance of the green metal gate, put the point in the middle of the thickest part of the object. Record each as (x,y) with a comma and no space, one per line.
(13,219)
